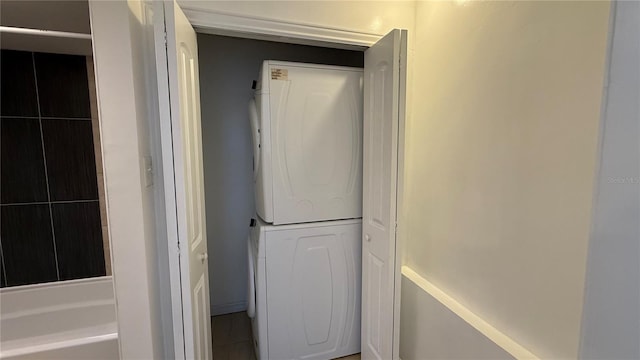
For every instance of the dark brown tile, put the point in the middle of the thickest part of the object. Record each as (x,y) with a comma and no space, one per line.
(22,173)
(221,329)
(234,351)
(3,282)
(230,328)
(221,352)
(71,163)
(62,85)
(27,244)
(17,89)
(78,240)
(240,327)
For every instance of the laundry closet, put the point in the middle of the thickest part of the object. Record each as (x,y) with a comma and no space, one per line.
(311,306)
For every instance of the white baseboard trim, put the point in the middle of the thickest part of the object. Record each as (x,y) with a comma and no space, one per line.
(228,308)
(500,339)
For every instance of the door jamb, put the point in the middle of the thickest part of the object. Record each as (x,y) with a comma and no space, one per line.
(400,188)
(226,23)
(167,173)
(223,23)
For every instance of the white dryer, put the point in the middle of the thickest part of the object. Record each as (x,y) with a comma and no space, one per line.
(311,308)
(307,134)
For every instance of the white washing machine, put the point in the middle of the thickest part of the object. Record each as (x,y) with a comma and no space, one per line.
(307,133)
(311,308)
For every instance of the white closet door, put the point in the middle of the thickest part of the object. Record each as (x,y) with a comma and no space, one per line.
(179,66)
(383,107)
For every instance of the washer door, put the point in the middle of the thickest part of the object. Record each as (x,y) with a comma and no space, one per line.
(251,291)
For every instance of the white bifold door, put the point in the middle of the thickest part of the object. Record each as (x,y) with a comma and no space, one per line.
(177,66)
(384,106)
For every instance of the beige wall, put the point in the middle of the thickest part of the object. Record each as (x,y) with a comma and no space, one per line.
(501,158)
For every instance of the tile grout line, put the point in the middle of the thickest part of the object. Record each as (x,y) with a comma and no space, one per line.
(4,270)
(46,171)
(46,117)
(52,202)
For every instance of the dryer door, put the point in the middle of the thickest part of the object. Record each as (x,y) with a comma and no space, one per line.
(316,138)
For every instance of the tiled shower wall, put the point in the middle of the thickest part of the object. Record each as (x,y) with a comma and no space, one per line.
(50,222)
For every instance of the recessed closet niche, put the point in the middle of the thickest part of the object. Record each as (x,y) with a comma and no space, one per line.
(228,66)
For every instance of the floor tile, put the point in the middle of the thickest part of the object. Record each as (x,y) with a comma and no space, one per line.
(242,350)
(220,329)
(232,337)
(235,351)
(231,328)
(240,327)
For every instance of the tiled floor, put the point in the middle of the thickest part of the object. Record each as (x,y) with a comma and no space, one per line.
(232,338)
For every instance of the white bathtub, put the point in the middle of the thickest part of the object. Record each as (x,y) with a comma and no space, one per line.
(62,320)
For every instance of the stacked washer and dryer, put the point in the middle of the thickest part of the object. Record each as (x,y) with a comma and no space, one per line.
(304,247)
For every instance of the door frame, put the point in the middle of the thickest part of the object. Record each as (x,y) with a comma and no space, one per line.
(222,23)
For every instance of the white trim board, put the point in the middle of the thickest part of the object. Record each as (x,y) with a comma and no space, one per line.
(222,23)
(491,333)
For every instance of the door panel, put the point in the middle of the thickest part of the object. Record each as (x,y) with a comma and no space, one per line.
(193,153)
(375,281)
(313,276)
(383,106)
(202,339)
(180,64)
(317,130)
(379,161)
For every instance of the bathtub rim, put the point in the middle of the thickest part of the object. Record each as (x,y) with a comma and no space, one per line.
(77,337)
(9,289)
(56,345)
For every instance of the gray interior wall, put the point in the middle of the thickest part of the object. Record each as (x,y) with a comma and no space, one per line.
(227,68)
(430,330)
(611,313)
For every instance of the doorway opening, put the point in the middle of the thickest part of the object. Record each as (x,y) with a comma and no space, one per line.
(228,66)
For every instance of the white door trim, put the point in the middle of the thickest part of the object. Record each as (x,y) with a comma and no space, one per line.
(223,23)
(402,113)
(168,180)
